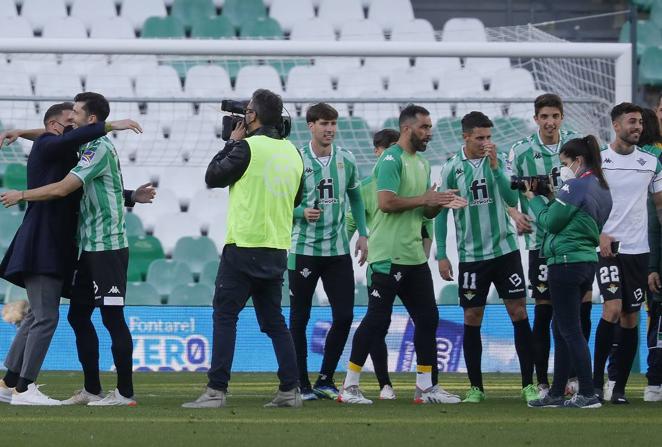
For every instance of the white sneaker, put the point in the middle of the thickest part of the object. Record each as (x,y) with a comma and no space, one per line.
(5,392)
(653,393)
(608,389)
(572,387)
(32,396)
(114,399)
(435,395)
(352,395)
(543,390)
(82,397)
(387,393)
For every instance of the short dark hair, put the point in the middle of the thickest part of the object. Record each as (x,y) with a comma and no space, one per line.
(623,108)
(385,138)
(475,119)
(410,112)
(268,106)
(94,104)
(651,129)
(547,100)
(321,111)
(57,109)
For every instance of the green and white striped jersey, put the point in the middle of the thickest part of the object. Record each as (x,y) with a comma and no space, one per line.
(529,157)
(101,224)
(483,228)
(327,183)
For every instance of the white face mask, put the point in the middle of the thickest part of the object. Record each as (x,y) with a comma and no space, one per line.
(565,173)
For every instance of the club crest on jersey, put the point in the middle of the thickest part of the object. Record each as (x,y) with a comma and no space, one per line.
(398,276)
(87,157)
(305,272)
(613,288)
(340,165)
(641,161)
(469,295)
(541,288)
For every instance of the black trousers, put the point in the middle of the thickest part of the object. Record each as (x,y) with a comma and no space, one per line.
(244,273)
(654,373)
(566,284)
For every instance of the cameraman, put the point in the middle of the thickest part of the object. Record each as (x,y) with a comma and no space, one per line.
(265,172)
(572,224)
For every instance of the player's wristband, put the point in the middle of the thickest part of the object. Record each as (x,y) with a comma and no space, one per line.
(108,127)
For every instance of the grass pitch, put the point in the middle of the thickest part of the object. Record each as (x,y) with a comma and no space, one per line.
(503,419)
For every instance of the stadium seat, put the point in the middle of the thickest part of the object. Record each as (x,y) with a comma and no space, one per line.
(459,83)
(63,28)
(15,176)
(117,83)
(159,82)
(656,14)
(163,28)
(359,81)
(290,12)
(112,28)
(15,293)
(308,82)
(195,252)
(253,77)
(169,228)
(217,230)
(9,223)
(511,82)
(166,274)
(361,30)
(649,67)
(13,82)
(313,29)
(40,12)
(464,30)
(238,11)
(436,66)
(390,12)
(410,83)
(57,82)
(260,28)
(134,226)
(385,65)
(209,273)
(374,114)
(218,27)
(192,294)
(419,30)
(207,81)
(493,297)
(189,10)
(354,133)
(486,66)
(141,294)
(137,11)
(89,10)
(448,295)
(142,251)
(337,12)
(337,65)
(166,202)
(8,9)
(131,64)
(15,27)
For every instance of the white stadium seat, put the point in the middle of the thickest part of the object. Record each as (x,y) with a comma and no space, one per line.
(390,12)
(290,12)
(115,85)
(337,12)
(486,66)
(112,28)
(65,28)
(185,181)
(159,82)
(410,83)
(435,66)
(15,27)
(166,203)
(169,228)
(334,66)
(384,65)
(376,113)
(137,11)
(361,30)
(205,81)
(40,12)
(132,64)
(13,82)
(464,30)
(308,81)
(419,30)
(354,82)
(460,83)
(8,8)
(313,30)
(58,82)
(89,10)
(218,228)
(511,82)
(208,204)
(252,77)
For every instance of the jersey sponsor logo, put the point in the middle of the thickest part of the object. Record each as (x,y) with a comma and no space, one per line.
(398,276)
(305,272)
(87,157)
(375,293)
(389,158)
(480,193)
(515,279)
(641,161)
(114,289)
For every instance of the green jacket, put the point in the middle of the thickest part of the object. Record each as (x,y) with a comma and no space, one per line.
(573,221)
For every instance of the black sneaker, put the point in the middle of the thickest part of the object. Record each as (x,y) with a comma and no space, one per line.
(619,399)
(579,401)
(546,402)
(600,395)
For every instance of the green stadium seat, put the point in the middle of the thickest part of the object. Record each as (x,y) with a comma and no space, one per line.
(283,66)
(649,68)
(392,123)
(260,28)
(648,35)
(232,66)
(187,11)
(163,28)
(508,130)
(239,11)
(143,250)
(285,292)
(448,296)
(196,252)
(15,176)
(218,27)
(209,272)
(9,223)
(656,15)
(166,274)
(361,295)
(14,293)
(299,134)
(134,226)
(354,133)
(142,294)
(192,294)
(643,5)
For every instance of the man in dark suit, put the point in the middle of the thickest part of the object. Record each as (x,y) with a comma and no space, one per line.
(42,255)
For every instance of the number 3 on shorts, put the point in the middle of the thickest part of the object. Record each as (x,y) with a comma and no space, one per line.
(609,274)
(543,272)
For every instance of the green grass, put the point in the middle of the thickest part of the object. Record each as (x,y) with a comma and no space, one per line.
(503,419)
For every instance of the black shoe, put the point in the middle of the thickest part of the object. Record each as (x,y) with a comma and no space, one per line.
(546,402)
(619,399)
(600,395)
(579,401)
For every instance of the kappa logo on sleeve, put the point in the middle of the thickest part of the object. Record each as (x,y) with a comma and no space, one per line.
(389,158)
(87,157)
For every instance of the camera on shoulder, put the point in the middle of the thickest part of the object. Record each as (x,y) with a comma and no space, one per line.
(237,110)
(540,185)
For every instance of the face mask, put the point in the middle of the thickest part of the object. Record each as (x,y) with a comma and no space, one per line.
(565,173)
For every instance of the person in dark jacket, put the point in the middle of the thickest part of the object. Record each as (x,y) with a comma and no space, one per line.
(42,255)
(572,223)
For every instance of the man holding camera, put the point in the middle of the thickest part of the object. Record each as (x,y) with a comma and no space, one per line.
(486,257)
(538,155)
(265,172)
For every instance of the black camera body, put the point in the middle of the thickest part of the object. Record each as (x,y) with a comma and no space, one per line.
(540,185)
(238,114)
